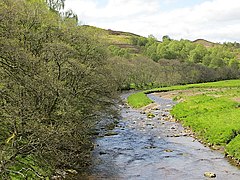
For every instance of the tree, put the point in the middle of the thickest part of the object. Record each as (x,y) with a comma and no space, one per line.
(166,38)
(55,5)
(197,54)
(54,86)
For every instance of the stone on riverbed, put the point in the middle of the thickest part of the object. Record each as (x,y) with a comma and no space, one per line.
(150,147)
(168,150)
(111,133)
(151,115)
(210,174)
(71,171)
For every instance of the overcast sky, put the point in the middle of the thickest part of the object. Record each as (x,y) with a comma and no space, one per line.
(213,20)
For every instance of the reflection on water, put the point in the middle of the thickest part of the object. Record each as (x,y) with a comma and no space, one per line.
(152,148)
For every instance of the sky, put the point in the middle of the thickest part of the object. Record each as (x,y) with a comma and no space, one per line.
(213,20)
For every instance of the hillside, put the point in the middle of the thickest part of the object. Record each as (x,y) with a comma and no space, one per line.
(205,43)
(135,44)
(168,62)
(117,38)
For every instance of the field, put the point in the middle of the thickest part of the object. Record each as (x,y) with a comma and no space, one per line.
(210,110)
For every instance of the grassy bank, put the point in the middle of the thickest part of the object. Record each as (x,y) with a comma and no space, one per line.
(211,110)
(140,99)
(214,119)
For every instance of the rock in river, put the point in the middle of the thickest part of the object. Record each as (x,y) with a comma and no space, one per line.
(210,174)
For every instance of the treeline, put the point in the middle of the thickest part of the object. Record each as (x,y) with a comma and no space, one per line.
(143,73)
(54,85)
(177,62)
(186,51)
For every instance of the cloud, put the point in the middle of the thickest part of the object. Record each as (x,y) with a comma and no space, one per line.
(113,8)
(215,20)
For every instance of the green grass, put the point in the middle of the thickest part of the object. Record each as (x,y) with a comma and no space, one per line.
(138,100)
(233,147)
(214,119)
(219,84)
(118,39)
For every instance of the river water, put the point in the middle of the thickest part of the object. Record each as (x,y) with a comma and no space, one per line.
(155,149)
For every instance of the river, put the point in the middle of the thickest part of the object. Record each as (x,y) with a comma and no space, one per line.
(155,149)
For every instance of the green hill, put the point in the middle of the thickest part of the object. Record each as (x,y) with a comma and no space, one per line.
(119,39)
(205,43)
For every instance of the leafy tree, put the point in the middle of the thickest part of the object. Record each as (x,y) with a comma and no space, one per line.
(54,86)
(234,63)
(166,38)
(196,55)
(55,5)
(142,41)
(166,52)
(134,40)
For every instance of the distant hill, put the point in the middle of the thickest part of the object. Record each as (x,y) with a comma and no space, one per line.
(117,38)
(123,40)
(205,42)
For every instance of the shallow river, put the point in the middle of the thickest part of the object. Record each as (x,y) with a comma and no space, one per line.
(153,148)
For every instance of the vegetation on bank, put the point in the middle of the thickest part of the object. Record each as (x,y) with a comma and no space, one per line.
(55,85)
(214,117)
(213,114)
(139,99)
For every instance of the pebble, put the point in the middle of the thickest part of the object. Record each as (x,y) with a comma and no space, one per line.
(210,174)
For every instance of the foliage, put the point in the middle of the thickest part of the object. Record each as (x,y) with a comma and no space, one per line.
(217,56)
(55,5)
(175,62)
(54,85)
(139,41)
(29,167)
(117,51)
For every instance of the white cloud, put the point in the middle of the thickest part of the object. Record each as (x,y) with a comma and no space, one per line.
(215,20)
(113,9)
